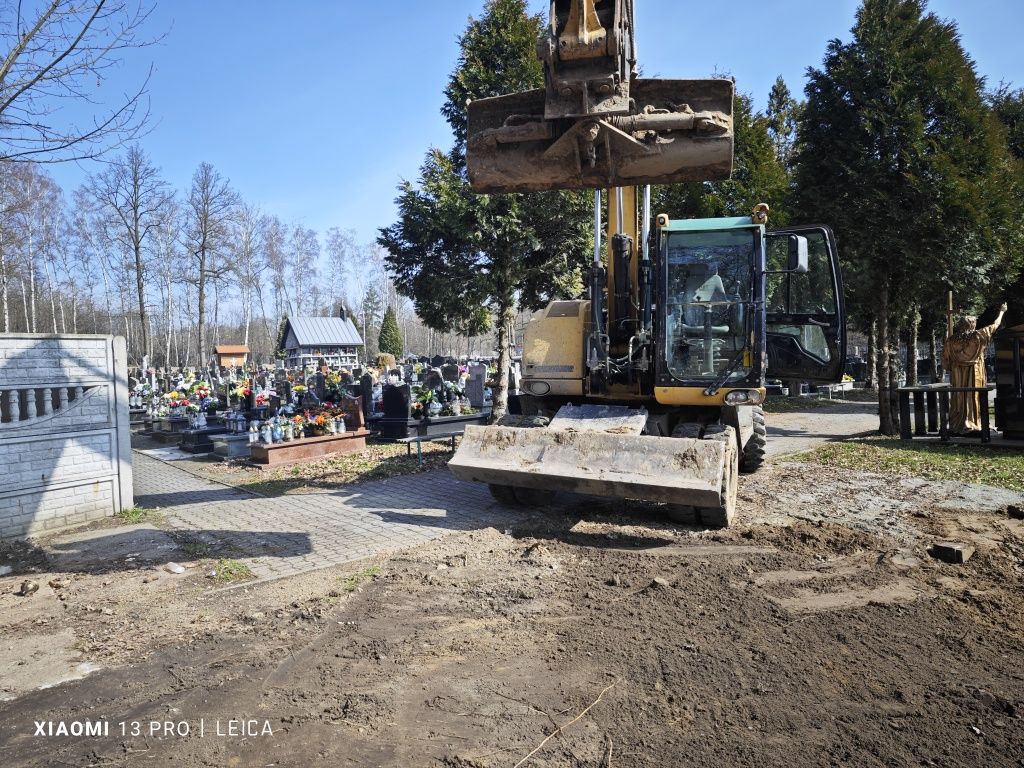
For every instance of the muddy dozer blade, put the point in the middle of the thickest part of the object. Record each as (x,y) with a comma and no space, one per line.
(699,473)
(679,130)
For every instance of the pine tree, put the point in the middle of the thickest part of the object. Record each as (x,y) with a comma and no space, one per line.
(782,113)
(390,339)
(282,326)
(898,152)
(470,261)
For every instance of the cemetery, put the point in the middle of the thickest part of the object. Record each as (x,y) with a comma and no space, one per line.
(277,417)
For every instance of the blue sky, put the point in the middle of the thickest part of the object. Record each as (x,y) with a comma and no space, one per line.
(317,110)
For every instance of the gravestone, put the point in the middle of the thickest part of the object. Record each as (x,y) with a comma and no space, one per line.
(436,361)
(397,401)
(513,377)
(366,393)
(432,379)
(320,385)
(476,385)
(407,373)
(450,372)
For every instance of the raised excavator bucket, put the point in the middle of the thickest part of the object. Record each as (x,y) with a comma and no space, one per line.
(594,125)
(599,450)
(681,130)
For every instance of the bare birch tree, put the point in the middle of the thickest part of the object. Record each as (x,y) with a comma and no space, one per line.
(130,197)
(208,215)
(58,51)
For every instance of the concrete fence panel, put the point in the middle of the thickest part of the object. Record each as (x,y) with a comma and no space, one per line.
(65,452)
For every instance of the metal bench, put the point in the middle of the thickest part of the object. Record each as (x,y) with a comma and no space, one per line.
(419,440)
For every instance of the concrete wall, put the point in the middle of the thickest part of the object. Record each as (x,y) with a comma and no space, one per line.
(65,454)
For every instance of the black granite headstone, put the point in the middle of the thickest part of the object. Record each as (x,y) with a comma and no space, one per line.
(366,392)
(397,401)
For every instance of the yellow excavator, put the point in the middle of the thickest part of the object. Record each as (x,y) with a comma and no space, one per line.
(651,387)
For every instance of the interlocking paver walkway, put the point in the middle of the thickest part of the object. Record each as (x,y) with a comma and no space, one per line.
(287,535)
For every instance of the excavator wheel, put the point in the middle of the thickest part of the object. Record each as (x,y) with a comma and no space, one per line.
(503,494)
(687,429)
(754,450)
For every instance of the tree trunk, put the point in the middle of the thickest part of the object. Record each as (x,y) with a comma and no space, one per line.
(170,322)
(53,298)
(32,288)
(3,285)
(933,352)
(201,309)
(887,424)
(24,301)
(141,288)
(872,355)
(912,334)
(506,314)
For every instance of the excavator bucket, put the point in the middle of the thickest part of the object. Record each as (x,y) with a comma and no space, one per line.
(675,131)
(678,471)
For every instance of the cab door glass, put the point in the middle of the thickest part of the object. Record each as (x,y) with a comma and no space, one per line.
(810,293)
(805,332)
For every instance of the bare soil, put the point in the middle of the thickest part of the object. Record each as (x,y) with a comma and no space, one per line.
(818,631)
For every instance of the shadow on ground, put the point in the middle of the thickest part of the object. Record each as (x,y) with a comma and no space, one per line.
(136,547)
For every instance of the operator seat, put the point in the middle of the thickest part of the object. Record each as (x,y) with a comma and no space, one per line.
(703,284)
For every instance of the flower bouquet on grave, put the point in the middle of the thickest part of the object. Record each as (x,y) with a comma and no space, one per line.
(323,424)
(175,404)
(299,426)
(262,400)
(200,390)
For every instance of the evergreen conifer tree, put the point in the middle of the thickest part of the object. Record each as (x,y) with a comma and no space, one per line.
(897,151)
(470,261)
(390,339)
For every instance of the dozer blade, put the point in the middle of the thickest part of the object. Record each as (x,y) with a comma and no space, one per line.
(680,130)
(698,473)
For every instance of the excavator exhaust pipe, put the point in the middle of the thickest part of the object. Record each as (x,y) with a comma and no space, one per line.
(678,471)
(674,131)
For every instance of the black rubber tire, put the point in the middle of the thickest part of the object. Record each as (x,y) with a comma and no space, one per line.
(718,432)
(688,429)
(504,494)
(754,450)
(533,497)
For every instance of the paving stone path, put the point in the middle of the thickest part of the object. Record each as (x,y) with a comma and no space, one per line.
(287,535)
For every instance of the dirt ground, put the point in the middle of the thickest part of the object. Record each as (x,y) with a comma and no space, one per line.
(818,631)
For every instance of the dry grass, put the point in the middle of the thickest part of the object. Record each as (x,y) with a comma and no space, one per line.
(967,463)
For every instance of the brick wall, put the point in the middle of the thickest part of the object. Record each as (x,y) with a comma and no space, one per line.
(64,441)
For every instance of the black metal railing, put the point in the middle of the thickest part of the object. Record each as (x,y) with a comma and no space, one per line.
(931,410)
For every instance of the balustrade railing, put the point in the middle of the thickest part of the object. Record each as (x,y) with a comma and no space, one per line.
(24,404)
